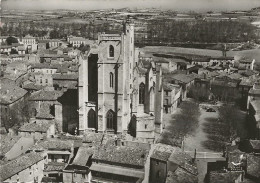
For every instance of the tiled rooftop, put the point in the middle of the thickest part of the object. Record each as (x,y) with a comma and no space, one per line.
(183,78)
(94,138)
(223,177)
(44,95)
(121,154)
(32,86)
(9,92)
(184,160)
(7,142)
(160,155)
(17,165)
(169,87)
(255,144)
(54,167)
(83,156)
(65,77)
(180,176)
(253,166)
(39,126)
(53,144)
(44,112)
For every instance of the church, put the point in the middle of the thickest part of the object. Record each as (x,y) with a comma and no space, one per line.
(119,92)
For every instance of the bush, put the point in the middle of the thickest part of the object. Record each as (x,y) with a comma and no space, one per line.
(11,40)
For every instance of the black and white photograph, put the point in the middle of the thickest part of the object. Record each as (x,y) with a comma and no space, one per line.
(130,91)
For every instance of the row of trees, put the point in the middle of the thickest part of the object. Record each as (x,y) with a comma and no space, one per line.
(223,93)
(158,32)
(231,125)
(55,30)
(171,31)
(182,124)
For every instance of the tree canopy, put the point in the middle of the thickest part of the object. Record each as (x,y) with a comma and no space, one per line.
(11,40)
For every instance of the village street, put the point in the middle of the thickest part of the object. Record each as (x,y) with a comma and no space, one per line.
(195,140)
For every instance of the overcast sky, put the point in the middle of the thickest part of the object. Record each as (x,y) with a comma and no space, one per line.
(181,5)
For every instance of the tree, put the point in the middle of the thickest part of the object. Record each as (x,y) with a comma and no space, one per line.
(13,51)
(11,40)
(54,34)
(16,115)
(84,48)
(199,93)
(181,124)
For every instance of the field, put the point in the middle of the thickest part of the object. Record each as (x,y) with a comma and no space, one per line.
(254,54)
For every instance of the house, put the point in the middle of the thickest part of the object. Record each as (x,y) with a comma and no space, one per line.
(38,129)
(167,65)
(6,49)
(118,163)
(246,63)
(65,81)
(44,80)
(4,61)
(43,44)
(73,52)
(171,164)
(78,41)
(238,167)
(222,61)
(55,43)
(13,146)
(21,50)
(30,43)
(159,166)
(25,168)
(32,87)
(171,98)
(225,176)
(3,39)
(78,170)
(180,175)
(183,80)
(43,68)
(200,61)
(59,153)
(254,93)
(11,97)
(44,105)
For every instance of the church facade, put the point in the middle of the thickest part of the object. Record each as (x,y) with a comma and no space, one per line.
(118,92)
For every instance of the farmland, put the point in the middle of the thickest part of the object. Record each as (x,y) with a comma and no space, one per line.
(254,53)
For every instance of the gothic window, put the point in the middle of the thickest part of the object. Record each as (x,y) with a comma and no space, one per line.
(111,51)
(111,76)
(141,93)
(110,119)
(91,119)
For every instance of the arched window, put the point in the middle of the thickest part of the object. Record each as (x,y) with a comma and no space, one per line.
(111,76)
(91,119)
(110,120)
(111,51)
(141,93)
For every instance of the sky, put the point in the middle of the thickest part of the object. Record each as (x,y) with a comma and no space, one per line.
(179,5)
